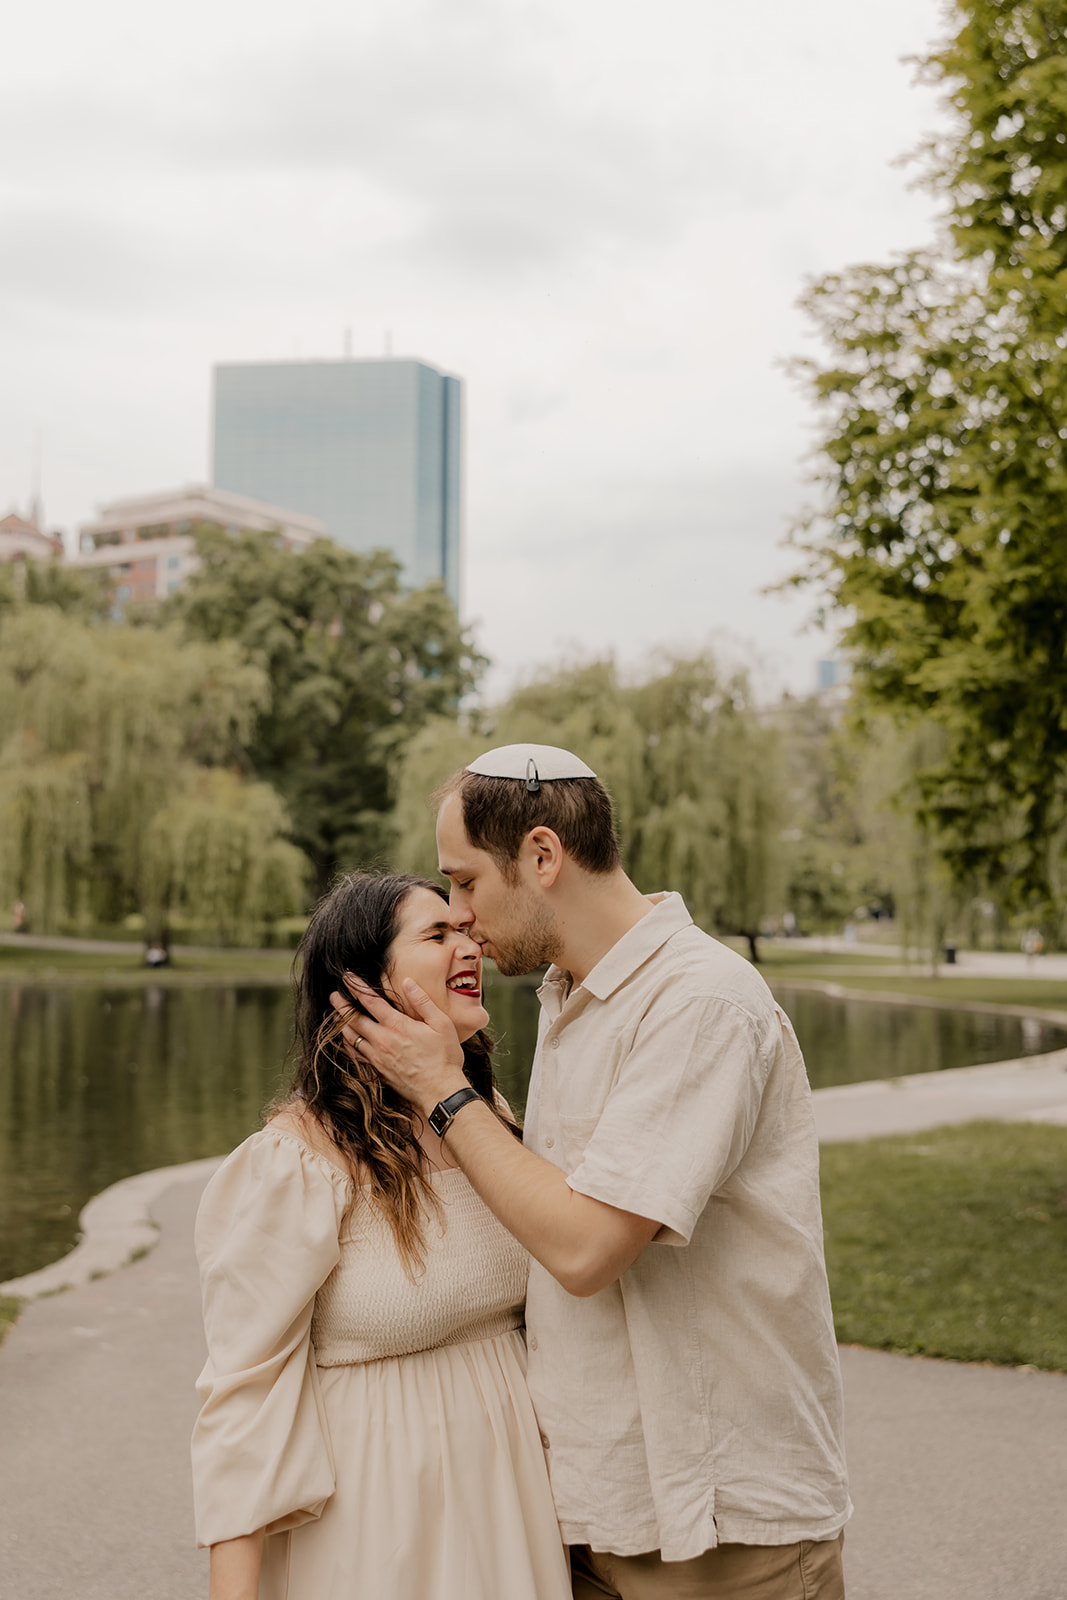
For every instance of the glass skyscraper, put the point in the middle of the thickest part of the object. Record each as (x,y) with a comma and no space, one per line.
(370,448)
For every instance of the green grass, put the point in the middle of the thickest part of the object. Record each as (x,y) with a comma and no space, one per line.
(951,1243)
(9,1310)
(783,954)
(22,965)
(1045,994)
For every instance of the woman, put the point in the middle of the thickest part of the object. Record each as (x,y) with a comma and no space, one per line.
(366,1428)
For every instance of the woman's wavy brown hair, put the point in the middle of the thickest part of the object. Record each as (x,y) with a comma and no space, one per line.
(373,1127)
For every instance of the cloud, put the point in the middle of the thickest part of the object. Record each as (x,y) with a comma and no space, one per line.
(457,112)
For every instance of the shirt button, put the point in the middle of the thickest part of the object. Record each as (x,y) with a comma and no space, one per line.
(555,1041)
(549,1142)
(532,1341)
(544,1440)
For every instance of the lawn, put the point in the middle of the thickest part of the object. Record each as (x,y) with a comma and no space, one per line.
(1044,994)
(20,964)
(951,1243)
(9,1310)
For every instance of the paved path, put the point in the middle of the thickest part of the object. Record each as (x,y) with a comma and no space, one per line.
(968,963)
(958,1472)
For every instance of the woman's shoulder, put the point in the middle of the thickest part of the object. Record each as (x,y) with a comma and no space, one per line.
(293,1124)
(291,1148)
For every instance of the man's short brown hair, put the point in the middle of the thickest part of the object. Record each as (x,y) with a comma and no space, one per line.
(498,813)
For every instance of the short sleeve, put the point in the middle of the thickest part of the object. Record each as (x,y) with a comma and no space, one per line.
(267,1239)
(679,1115)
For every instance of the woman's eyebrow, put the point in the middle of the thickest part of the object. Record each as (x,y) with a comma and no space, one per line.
(437,927)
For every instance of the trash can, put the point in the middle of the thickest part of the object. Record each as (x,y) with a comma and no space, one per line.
(950,955)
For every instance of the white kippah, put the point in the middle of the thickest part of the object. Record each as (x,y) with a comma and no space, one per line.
(532,762)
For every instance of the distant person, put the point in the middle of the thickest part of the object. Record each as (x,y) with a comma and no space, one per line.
(682,1355)
(366,1428)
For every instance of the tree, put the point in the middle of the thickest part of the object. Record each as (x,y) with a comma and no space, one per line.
(691,765)
(117,791)
(355,665)
(75,591)
(942,538)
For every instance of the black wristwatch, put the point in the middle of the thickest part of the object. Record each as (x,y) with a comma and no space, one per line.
(440,1118)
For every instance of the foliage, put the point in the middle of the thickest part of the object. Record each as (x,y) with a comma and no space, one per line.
(105,735)
(76,592)
(692,766)
(216,854)
(951,1242)
(355,665)
(943,536)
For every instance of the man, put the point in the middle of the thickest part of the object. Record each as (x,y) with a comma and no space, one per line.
(681,1351)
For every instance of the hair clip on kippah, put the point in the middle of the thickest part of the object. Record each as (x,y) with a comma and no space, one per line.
(532,764)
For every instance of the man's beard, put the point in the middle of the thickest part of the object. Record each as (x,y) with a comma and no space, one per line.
(536,943)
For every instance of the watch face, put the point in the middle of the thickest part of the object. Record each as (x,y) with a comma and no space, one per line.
(439,1120)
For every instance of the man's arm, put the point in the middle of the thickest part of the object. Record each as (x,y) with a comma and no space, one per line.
(582,1242)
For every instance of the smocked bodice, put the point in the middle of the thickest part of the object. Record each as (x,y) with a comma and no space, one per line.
(472,1284)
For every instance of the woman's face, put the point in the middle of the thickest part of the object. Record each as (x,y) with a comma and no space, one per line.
(442,959)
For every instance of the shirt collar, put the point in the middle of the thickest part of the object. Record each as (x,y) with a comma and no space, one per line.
(667,917)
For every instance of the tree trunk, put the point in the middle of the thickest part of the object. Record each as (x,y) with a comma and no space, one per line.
(752,949)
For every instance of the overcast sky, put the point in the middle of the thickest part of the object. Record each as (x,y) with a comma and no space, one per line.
(599,214)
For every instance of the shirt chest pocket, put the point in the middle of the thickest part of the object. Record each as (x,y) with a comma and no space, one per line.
(573,1134)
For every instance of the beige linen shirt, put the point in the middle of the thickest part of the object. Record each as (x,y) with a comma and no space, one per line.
(698,1399)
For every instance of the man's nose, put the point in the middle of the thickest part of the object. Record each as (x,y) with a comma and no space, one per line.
(462,921)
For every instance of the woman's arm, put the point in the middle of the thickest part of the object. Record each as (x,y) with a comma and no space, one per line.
(235,1565)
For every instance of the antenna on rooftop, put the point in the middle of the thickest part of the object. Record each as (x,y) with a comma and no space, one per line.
(35,481)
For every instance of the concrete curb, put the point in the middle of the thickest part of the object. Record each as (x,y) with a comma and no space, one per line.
(890,997)
(116,1228)
(1030,1089)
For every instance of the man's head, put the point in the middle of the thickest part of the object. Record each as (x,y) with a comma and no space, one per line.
(511,828)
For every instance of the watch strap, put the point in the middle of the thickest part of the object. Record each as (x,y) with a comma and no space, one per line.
(441,1116)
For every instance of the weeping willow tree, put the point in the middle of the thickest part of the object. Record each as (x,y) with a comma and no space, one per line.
(116,793)
(692,766)
(216,855)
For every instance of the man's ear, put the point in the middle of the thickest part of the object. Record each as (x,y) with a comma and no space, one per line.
(545,854)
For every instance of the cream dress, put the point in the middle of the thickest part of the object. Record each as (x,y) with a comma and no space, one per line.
(380,1430)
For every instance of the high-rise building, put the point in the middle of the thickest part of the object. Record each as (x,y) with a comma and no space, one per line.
(371,448)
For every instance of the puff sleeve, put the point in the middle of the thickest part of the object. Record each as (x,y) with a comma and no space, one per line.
(266,1239)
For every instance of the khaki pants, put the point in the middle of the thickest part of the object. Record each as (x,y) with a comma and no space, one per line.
(810,1570)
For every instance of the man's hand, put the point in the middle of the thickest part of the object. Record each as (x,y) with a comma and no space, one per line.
(420,1056)
(584,1243)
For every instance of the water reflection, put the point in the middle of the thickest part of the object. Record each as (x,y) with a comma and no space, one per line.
(850,1041)
(96,1084)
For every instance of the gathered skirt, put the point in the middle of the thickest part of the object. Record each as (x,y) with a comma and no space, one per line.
(442,1489)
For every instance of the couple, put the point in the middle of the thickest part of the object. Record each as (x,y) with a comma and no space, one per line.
(367,1426)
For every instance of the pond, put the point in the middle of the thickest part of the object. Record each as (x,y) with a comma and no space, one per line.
(98,1083)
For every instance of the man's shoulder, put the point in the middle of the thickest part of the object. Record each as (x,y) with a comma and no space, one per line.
(697,966)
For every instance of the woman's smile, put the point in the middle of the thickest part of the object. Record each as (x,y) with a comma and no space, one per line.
(432,946)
